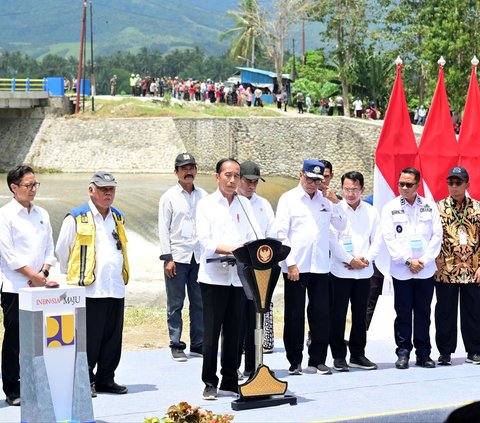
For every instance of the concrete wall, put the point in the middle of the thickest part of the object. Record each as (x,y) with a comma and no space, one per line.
(145,145)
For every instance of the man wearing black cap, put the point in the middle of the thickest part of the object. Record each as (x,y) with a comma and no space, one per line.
(458,272)
(92,251)
(263,212)
(303,222)
(180,251)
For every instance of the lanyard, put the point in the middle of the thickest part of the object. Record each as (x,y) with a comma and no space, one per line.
(460,221)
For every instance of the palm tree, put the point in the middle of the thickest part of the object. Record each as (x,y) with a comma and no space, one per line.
(244,35)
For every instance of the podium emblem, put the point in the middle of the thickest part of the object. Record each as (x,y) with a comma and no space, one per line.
(264,254)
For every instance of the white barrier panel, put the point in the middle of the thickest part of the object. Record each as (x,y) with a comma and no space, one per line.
(54,382)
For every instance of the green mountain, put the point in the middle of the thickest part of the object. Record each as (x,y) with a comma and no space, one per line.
(53,26)
(37,27)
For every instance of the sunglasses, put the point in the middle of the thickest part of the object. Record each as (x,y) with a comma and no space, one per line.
(454,183)
(117,238)
(407,184)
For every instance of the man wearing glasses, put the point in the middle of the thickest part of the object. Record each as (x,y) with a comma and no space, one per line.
(412,232)
(353,250)
(303,222)
(26,254)
(458,273)
(92,251)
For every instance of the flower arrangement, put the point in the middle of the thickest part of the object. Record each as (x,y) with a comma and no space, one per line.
(185,413)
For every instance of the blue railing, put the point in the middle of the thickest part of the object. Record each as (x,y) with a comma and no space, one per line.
(23,84)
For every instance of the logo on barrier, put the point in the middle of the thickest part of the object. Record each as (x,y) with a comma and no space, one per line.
(62,299)
(60,330)
(264,254)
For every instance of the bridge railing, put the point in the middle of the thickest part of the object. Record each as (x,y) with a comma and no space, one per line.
(23,84)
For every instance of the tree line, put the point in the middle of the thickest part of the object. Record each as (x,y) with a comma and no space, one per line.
(361,40)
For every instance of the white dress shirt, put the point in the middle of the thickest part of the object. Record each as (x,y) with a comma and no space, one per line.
(264,216)
(412,231)
(361,237)
(25,240)
(219,223)
(176,223)
(109,260)
(303,223)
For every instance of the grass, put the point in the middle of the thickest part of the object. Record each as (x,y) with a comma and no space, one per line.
(130,107)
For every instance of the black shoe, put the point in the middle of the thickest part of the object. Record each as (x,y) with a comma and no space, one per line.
(295,369)
(402,362)
(340,365)
(196,351)
(445,360)
(362,362)
(210,393)
(473,358)
(93,391)
(112,388)
(13,400)
(426,362)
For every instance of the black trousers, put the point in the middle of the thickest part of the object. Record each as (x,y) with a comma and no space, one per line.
(11,345)
(316,284)
(446,312)
(413,299)
(222,311)
(247,334)
(104,337)
(356,292)
(376,286)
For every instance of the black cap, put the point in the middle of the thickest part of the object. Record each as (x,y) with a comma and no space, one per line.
(185,159)
(250,170)
(460,173)
(103,179)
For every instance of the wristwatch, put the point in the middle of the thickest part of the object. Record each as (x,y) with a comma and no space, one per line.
(408,262)
(45,272)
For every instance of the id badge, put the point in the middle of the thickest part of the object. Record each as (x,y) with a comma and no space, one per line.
(416,243)
(187,229)
(347,244)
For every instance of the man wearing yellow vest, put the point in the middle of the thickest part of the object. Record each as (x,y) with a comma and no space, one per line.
(92,251)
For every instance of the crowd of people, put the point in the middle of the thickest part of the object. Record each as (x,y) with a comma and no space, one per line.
(334,241)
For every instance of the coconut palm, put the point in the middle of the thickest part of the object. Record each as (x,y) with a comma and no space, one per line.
(244,35)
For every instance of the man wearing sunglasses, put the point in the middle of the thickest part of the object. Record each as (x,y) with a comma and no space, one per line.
(458,273)
(412,232)
(92,251)
(304,217)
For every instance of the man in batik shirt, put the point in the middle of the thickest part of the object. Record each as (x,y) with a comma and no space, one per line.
(458,273)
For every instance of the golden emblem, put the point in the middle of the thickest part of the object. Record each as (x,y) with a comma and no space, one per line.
(264,254)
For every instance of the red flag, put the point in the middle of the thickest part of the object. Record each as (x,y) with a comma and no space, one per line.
(396,150)
(438,150)
(397,147)
(469,138)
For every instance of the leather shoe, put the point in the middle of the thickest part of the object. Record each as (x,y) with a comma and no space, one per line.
(426,362)
(402,362)
(13,400)
(112,388)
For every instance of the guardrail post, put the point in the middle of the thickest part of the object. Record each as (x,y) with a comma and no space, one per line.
(27,84)
(45,84)
(14,85)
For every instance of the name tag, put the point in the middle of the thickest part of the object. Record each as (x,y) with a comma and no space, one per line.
(416,244)
(347,244)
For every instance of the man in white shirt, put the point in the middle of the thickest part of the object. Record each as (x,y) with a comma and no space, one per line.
(303,222)
(412,231)
(26,254)
(225,222)
(180,250)
(92,251)
(353,250)
(358,106)
(247,186)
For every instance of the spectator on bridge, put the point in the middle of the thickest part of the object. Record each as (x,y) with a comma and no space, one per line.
(113,85)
